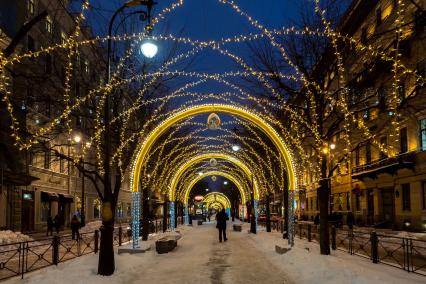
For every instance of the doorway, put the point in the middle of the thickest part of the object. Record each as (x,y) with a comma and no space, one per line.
(388,206)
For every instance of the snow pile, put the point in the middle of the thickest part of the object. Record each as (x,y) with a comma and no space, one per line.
(91,226)
(10,237)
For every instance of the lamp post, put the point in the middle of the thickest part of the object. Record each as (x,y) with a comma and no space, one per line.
(78,140)
(106,264)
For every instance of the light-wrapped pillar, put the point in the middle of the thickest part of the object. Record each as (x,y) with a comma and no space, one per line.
(290,219)
(172,216)
(186,215)
(256,214)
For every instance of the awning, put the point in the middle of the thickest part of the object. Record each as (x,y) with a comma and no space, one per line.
(66,198)
(49,196)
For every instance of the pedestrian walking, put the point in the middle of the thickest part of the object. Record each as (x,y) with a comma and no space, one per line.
(57,223)
(49,226)
(75,226)
(221,219)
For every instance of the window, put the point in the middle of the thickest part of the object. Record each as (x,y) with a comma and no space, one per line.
(421,72)
(48,66)
(119,210)
(406,198)
(31,7)
(63,38)
(370,30)
(368,153)
(61,163)
(424,195)
(386,11)
(312,204)
(381,94)
(129,210)
(401,91)
(97,209)
(348,201)
(86,66)
(47,159)
(44,210)
(419,21)
(366,115)
(49,24)
(357,156)
(403,140)
(422,132)
(358,202)
(77,59)
(307,204)
(30,44)
(378,16)
(317,203)
(383,142)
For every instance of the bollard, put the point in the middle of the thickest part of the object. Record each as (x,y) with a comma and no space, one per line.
(333,237)
(55,245)
(120,234)
(309,232)
(374,247)
(96,241)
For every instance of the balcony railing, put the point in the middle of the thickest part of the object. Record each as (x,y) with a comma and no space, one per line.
(387,165)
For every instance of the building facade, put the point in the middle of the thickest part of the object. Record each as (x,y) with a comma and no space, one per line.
(382,189)
(44,184)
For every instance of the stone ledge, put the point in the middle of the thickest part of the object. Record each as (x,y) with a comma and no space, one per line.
(133,251)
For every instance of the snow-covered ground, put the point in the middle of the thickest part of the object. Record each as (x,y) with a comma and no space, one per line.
(10,237)
(244,258)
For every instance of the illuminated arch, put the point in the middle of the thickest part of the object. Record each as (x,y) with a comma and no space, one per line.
(213,197)
(218,173)
(206,156)
(254,118)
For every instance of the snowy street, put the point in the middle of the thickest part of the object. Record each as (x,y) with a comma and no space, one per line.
(244,258)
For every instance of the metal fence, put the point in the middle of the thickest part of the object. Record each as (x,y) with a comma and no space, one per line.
(406,253)
(16,259)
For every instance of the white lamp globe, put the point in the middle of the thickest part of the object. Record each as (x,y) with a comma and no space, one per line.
(149,49)
(236,148)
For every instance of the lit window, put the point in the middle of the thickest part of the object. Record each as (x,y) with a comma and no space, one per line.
(370,30)
(387,11)
(49,24)
(63,38)
(31,7)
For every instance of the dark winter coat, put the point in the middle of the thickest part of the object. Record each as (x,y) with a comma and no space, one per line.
(50,222)
(75,224)
(221,218)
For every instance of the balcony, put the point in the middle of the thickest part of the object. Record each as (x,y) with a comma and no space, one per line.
(385,166)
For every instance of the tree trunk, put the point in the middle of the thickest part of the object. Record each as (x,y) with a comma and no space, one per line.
(268,213)
(106,265)
(323,194)
(145,213)
(285,213)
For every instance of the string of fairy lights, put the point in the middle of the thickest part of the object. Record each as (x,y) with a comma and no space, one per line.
(292,131)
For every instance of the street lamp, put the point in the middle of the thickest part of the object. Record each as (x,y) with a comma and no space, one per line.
(200,173)
(78,139)
(149,49)
(225,182)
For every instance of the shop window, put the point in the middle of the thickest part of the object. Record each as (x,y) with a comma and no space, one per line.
(406,196)
(424,195)
(44,210)
(78,206)
(422,133)
(97,209)
(403,136)
(358,202)
(348,201)
(119,210)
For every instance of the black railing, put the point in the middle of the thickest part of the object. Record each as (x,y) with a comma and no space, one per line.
(406,253)
(403,158)
(16,259)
